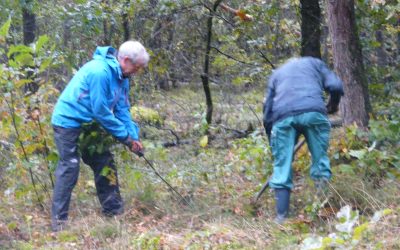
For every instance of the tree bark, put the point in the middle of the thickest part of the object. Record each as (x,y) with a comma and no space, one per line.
(310,28)
(108,28)
(325,44)
(347,57)
(205,75)
(125,20)
(29,24)
(29,28)
(398,38)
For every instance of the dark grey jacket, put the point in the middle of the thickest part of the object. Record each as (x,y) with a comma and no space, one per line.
(297,87)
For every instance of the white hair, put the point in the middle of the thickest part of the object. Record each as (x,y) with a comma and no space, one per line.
(135,51)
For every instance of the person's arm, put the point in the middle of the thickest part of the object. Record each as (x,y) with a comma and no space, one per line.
(122,113)
(267,108)
(98,81)
(334,86)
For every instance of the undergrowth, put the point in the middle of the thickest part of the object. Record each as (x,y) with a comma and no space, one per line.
(220,177)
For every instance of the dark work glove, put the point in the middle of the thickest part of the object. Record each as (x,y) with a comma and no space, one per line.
(333,103)
(331,108)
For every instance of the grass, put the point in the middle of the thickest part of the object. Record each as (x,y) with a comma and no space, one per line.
(220,180)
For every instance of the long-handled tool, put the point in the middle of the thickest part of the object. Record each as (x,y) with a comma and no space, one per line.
(266,184)
(140,154)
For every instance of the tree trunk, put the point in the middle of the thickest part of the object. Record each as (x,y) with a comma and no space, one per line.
(29,24)
(108,28)
(310,28)
(205,76)
(29,27)
(277,50)
(125,20)
(398,38)
(347,57)
(325,44)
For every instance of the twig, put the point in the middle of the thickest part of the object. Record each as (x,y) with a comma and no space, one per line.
(12,112)
(231,57)
(46,151)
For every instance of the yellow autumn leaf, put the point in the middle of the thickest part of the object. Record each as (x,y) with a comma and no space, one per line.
(203,141)
(28,218)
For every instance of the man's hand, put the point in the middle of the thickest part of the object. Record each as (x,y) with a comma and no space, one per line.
(134,146)
(137,148)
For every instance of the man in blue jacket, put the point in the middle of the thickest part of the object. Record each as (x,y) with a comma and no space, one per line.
(295,105)
(98,92)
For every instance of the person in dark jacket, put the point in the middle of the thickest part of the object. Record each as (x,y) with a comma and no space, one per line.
(295,105)
(98,92)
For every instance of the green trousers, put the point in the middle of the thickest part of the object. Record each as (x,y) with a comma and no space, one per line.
(316,129)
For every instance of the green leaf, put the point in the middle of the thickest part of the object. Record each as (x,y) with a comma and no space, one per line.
(137,175)
(346,169)
(4,30)
(41,42)
(100,148)
(105,171)
(203,141)
(52,157)
(22,82)
(24,59)
(125,155)
(45,64)
(80,1)
(19,49)
(358,231)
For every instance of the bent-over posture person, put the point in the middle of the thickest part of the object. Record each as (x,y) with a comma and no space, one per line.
(295,105)
(98,92)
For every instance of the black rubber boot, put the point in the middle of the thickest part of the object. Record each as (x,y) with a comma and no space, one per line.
(282,198)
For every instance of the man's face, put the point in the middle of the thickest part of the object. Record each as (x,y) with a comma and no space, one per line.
(129,68)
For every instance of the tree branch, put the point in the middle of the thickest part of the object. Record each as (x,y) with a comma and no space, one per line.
(230,57)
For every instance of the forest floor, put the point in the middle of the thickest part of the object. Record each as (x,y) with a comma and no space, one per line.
(220,175)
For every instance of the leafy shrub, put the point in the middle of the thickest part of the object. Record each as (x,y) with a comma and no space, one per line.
(146,115)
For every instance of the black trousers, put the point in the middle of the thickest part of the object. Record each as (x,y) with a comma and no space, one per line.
(67,172)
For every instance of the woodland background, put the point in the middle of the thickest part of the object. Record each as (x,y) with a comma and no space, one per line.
(199,105)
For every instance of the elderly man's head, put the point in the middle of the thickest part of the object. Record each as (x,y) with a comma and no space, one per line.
(132,57)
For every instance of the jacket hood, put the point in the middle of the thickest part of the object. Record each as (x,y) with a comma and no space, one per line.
(108,54)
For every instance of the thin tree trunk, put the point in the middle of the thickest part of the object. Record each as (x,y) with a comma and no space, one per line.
(108,28)
(29,24)
(125,21)
(29,27)
(171,48)
(398,38)
(310,28)
(347,56)
(277,50)
(205,76)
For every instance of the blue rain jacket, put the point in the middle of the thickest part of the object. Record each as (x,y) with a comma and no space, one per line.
(98,91)
(297,87)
